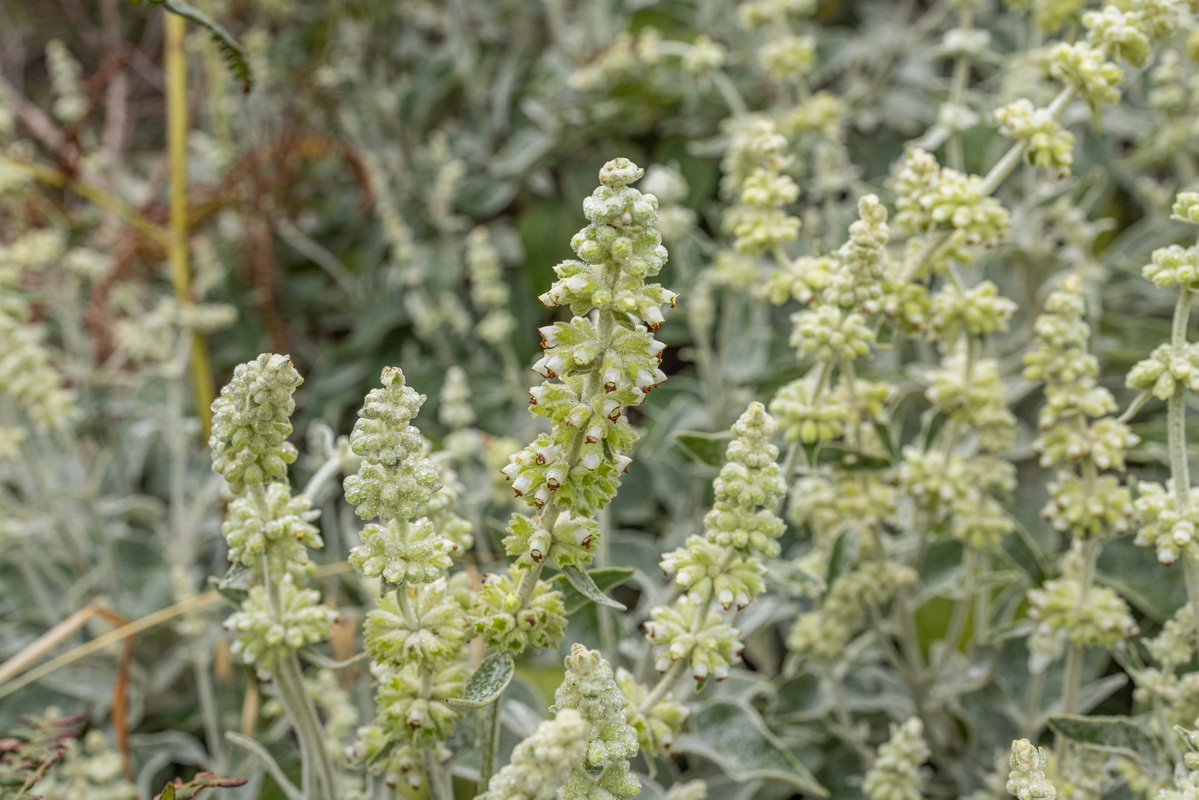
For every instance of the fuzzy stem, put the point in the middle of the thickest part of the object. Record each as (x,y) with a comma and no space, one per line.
(957,93)
(1176,432)
(317,768)
(1072,677)
(491,745)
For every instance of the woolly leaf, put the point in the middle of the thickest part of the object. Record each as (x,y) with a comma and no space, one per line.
(586,586)
(487,684)
(735,738)
(604,579)
(706,448)
(1119,735)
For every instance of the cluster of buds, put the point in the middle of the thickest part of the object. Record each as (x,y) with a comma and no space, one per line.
(542,763)
(595,367)
(268,528)
(1027,779)
(1170,513)
(589,687)
(1078,437)
(1067,611)
(417,633)
(895,774)
(725,565)
(929,195)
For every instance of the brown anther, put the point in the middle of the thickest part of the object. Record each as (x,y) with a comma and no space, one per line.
(536,555)
(552,484)
(531,621)
(586,543)
(609,387)
(615,415)
(540,458)
(532,399)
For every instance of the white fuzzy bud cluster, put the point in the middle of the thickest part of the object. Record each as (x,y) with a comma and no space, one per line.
(1027,779)
(895,774)
(542,763)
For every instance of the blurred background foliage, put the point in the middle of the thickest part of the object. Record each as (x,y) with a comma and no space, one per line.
(394,190)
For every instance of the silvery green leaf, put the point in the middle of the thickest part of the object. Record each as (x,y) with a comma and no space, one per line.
(735,738)
(487,684)
(1121,735)
(586,586)
(602,579)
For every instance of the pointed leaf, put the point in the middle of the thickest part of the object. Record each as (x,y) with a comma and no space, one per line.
(604,579)
(235,57)
(236,595)
(1110,734)
(735,738)
(706,448)
(487,684)
(586,586)
(319,659)
(168,792)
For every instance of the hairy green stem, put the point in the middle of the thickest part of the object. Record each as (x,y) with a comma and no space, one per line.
(319,782)
(491,745)
(1072,677)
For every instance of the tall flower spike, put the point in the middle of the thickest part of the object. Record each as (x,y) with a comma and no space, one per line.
(595,366)
(251,421)
(603,771)
(748,488)
(395,479)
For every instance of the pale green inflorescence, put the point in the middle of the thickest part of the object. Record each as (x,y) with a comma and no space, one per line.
(747,489)
(416,635)
(542,763)
(928,195)
(267,527)
(281,527)
(1086,68)
(1065,611)
(895,774)
(1169,513)
(1076,431)
(251,421)
(395,479)
(657,726)
(725,565)
(1049,145)
(595,366)
(1027,779)
(603,770)
(510,626)
(268,628)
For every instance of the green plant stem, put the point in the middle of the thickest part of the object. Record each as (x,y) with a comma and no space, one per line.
(319,782)
(1072,676)
(666,683)
(998,174)
(957,623)
(175,65)
(491,745)
(1180,471)
(957,94)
